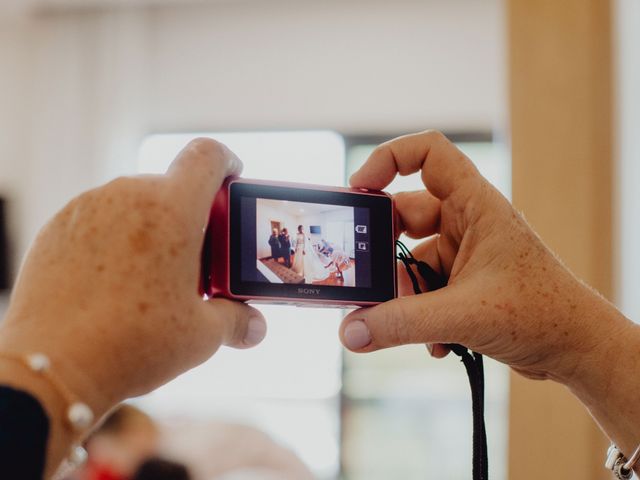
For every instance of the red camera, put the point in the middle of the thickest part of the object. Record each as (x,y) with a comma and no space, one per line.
(276,242)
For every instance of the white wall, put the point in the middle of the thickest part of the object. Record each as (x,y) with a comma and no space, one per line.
(69,117)
(627,28)
(351,65)
(338,227)
(79,89)
(15,150)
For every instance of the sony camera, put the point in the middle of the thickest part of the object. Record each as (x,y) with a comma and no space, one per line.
(277,242)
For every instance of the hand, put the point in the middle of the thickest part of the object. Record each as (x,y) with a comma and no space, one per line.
(508,296)
(110,286)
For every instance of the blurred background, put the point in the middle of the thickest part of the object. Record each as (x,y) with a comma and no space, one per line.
(543,96)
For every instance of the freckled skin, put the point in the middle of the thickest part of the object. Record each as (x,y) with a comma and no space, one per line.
(110,288)
(508,296)
(143,307)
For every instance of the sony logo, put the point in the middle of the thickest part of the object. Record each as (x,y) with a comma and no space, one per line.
(309,291)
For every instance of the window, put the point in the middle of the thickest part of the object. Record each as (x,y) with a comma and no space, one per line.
(405,414)
(289,385)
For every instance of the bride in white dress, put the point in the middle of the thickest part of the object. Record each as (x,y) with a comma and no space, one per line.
(306,262)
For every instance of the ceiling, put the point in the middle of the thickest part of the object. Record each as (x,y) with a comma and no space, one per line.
(38,6)
(25,7)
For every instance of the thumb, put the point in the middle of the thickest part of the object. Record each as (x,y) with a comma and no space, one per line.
(433,317)
(236,324)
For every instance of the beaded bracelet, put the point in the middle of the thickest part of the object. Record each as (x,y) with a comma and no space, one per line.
(618,463)
(79,416)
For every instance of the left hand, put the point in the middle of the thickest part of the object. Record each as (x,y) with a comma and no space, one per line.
(109,289)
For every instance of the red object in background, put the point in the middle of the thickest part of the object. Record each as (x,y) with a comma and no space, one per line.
(99,472)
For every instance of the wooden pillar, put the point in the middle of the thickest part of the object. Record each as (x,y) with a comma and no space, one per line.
(560,104)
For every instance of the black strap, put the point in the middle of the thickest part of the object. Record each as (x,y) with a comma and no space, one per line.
(472,362)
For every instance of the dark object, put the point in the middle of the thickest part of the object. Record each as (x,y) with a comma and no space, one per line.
(24,429)
(315,229)
(274,243)
(285,247)
(5,267)
(159,469)
(472,362)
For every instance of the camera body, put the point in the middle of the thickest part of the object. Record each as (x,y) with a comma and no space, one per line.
(288,243)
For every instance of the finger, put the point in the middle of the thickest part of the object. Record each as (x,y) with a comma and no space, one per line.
(419,213)
(198,172)
(444,167)
(238,325)
(438,350)
(426,251)
(435,317)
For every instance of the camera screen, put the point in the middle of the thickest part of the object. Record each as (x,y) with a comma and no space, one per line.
(308,243)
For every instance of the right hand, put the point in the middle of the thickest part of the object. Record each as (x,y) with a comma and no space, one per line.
(508,296)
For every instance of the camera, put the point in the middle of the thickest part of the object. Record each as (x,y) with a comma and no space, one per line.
(277,242)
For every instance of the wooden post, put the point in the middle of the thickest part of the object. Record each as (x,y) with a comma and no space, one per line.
(560,104)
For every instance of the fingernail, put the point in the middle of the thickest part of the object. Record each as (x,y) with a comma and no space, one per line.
(356,335)
(430,348)
(256,331)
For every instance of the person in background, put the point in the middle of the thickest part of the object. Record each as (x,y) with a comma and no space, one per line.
(285,247)
(159,469)
(119,446)
(274,243)
(298,259)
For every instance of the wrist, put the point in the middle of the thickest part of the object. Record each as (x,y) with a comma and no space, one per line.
(604,380)
(71,372)
(16,376)
(604,347)
(587,331)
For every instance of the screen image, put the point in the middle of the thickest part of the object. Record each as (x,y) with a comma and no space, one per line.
(305,243)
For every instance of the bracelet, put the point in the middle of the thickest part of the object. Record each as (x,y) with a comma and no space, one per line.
(618,463)
(79,416)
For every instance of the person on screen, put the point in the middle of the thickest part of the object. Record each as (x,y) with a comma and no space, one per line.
(340,261)
(285,247)
(274,243)
(326,248)
(298,260)
(313,268)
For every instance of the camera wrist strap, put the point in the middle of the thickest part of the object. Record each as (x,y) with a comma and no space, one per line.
(472,361)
